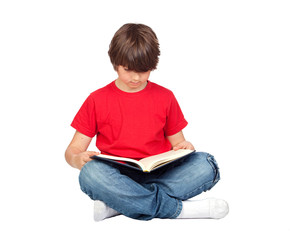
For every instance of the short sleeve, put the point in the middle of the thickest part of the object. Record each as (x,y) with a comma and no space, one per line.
(85,119)
(175,120)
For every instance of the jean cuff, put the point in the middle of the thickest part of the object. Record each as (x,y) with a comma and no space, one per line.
(178,209)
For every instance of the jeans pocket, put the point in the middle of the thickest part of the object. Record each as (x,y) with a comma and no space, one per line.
(211,160)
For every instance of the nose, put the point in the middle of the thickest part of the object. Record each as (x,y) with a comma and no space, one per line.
(136,76)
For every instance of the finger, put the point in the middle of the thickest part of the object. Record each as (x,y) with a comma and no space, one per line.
(88,160)
(176,148)
(191,148)
(92,153)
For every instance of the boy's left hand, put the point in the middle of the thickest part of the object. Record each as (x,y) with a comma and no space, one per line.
(184,145)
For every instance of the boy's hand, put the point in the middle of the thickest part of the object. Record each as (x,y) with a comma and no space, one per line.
(184,145)
(178,142)
(80,159)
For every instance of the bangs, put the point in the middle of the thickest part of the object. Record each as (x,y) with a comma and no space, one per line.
(138,57)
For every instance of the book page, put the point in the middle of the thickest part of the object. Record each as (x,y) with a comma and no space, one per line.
(164,157)
(116,158)
(130,160)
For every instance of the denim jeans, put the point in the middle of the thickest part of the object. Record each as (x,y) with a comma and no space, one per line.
(144,196)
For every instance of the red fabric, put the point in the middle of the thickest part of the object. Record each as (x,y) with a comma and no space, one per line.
(133,125)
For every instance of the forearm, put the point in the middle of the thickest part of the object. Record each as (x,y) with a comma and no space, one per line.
(70,155)
(76,153)
(176,139)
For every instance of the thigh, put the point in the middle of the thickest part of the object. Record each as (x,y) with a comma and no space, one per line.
(100,180)
(189,177)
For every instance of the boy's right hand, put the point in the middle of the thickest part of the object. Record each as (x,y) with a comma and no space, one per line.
(80,159)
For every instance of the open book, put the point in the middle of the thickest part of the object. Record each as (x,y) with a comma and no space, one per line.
(149,163)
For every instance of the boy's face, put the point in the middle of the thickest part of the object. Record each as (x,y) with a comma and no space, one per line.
(130,81)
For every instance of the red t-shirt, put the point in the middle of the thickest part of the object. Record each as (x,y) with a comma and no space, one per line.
(133,125)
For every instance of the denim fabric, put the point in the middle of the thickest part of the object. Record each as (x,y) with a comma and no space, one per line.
(144,196)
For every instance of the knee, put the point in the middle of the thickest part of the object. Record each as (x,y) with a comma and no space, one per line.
(214,168)
(95,179)
(90,173)
(208,166)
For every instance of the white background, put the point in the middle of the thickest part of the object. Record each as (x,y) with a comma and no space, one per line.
(228,65)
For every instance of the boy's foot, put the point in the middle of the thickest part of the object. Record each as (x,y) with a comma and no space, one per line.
(208,208)
(102,211)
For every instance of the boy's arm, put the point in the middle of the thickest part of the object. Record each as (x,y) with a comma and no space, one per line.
(178,142)
(76,153)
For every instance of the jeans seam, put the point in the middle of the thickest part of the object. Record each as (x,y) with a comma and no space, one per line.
(212,162)
(189,195)
(178,209)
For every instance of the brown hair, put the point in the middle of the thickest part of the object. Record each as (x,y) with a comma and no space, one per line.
(136,47)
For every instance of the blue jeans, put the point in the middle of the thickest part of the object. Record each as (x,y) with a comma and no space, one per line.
(144,196)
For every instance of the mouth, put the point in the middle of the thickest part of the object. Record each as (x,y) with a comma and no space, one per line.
(135,83)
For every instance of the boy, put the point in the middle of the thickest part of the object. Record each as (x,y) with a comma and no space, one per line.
(133,117)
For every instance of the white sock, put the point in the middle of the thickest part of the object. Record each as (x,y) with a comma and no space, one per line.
(102,211)
(207,208)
